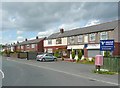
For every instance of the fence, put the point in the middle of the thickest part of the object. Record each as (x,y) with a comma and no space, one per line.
(14,55)
(111,63)
(22,55)
(31,55)
(28,55)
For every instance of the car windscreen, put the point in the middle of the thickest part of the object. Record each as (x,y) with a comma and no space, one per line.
(49,54)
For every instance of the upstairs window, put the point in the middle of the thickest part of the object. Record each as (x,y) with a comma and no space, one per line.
(28,46)
(22,47)
(33,45)
(103,36)
(80,38)
(19,47)
(49,41)
(72,39)
(92,37)
(58,41)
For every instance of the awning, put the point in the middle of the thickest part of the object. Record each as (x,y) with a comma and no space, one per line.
(93,46)
(75,47)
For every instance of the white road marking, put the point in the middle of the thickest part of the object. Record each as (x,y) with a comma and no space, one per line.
(2,73)
(67,73)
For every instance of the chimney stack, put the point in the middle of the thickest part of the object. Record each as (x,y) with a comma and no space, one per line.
(61,30)
(17,41)
(26,39)
(36,37)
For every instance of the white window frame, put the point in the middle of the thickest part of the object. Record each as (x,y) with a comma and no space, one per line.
(80,38)
(50,50)
(27,46)
(59,41)
(49,42)
(32,45)
(72,39)
(92,37)
(22,47)
(103,34)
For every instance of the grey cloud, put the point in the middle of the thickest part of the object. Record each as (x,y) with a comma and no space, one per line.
(41,16)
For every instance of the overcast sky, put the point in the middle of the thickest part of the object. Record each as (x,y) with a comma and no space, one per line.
(22,20)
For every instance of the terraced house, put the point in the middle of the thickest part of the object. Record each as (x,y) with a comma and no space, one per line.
(56,41)
(87,39)
(30,45)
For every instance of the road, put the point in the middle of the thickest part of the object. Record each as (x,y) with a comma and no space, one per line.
(21,72)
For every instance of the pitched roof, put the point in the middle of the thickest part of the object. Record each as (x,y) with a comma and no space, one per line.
(30,41)
(90,29)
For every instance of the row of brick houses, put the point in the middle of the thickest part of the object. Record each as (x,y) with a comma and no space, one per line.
(86,39)
(35,45)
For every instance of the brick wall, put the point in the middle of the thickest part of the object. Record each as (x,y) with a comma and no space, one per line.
(116,51)
(85,52)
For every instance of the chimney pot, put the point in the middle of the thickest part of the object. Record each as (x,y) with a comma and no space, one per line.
(26,39)
(36,37)
(61,30)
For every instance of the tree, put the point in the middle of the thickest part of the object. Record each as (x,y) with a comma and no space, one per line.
(56,53)
(73,54)
(79,55)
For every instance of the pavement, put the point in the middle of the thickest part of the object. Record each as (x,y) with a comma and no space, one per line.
(22,72)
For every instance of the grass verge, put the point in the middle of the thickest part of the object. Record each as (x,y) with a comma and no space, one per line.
(104,72)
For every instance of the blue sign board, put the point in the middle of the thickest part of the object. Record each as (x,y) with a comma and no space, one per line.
(106,45)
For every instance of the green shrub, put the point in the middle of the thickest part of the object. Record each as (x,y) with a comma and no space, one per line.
(104,72)
(56,53)
(93,59)
(73,54)
(79,55)
(87,59)
(107,54)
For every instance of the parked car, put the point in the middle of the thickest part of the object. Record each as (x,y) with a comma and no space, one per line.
(46,57)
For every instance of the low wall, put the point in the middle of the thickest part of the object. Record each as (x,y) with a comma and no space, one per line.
(14,55)
(22,55)
(32,55)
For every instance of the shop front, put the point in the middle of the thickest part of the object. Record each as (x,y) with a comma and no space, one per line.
(93,49)
(76,48)
(61,49)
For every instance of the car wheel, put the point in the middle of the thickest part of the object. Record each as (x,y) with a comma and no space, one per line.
(55,59)
(37,60)
(43,59)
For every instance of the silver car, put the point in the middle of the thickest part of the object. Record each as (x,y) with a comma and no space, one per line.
(46,57)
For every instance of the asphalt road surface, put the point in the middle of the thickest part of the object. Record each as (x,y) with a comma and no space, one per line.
(21,72)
